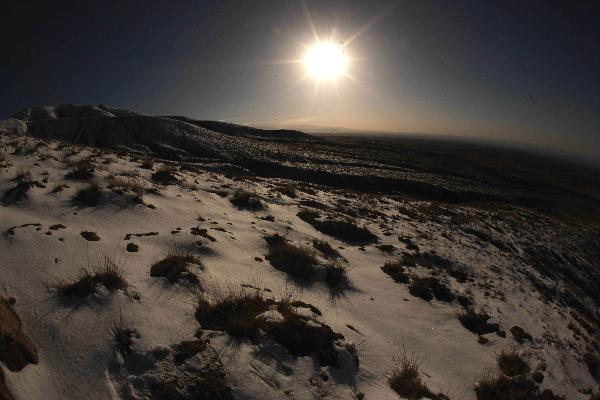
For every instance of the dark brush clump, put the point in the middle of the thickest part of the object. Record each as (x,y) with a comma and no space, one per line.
(477,322)
(298,262)
(238,314)
(90,236)
(132,247)
(501,387)
(335,273)
(108,274)
(303,339)
(188,349)
(325,248)
(396,271)
(123,337)
(234,313)
(246,200)
(520,335)
(88,196)
(175,267)
(344,230)
(405,379)
(429,287)
(82,171)
(521,387)
(512,364)
(165,176)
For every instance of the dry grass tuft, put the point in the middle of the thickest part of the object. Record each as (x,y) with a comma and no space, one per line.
(512,364)
(127,184)
(175,267)
(165,176)
(325,248)
(123,336)
(297,261)
(429,287)
(82,170)
(477,322)
(397,271)
(243,314)
(108,273)
(88,196)
(405,378)
(335,273)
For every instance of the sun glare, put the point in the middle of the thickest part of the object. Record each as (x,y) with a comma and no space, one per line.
(326,61)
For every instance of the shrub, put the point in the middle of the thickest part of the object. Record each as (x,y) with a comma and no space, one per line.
(175,267)
(405,379)
(246,200)
(477,322)
(512,364)
(335,273)
(108,273)
(396,271)
(298,262)
(88,196)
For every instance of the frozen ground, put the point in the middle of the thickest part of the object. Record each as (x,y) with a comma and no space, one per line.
(456,242)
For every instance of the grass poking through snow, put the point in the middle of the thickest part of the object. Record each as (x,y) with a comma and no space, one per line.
(108,273)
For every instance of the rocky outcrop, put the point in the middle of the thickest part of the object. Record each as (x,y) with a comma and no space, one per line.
(4,393)
(16,349)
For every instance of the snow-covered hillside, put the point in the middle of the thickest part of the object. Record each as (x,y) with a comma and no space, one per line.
(162,278)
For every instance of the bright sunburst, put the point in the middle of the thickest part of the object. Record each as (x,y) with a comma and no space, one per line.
(326,61)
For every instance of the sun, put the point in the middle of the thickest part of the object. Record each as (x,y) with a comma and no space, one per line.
(326,61)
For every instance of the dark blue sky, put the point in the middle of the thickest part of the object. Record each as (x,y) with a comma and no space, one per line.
(510,71)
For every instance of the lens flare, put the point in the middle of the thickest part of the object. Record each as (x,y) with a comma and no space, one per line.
(326,61)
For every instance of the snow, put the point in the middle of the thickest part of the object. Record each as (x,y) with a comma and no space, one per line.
(78,357)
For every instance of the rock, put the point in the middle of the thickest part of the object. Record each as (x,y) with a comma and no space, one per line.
(4,393)
(16,349)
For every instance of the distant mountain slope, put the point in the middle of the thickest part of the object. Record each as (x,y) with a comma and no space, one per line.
(241,130)
(70,111)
